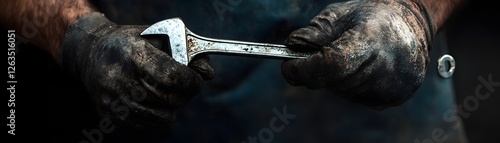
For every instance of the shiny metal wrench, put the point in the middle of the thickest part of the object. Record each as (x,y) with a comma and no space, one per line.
(185,45)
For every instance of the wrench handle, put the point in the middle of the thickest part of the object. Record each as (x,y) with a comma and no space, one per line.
(198,44)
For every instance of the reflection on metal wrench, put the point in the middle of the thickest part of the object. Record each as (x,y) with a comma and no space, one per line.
(185,45)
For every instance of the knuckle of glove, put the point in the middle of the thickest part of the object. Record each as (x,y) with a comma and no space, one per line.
(400,63)
(202,67)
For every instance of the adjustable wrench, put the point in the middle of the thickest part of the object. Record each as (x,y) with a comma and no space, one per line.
(185,45)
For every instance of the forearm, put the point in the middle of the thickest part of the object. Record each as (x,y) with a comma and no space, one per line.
(440,10)
(42,22)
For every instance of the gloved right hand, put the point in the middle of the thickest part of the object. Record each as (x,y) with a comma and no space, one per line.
(374,52)
(131,82)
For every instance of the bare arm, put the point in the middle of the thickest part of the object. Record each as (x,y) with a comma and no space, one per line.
(42,22)
(440,10)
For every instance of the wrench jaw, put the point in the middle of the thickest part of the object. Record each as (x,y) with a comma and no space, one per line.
(176,30)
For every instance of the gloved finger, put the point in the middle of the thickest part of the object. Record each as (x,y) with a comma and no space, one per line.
(165,71)
(152,95)
(306,39)
(333,64)
(201,65)
(151,110)
(310,72)
(322,29)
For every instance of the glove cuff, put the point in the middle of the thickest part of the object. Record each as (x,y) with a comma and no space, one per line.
(427,18)
(78,40)
(423,15)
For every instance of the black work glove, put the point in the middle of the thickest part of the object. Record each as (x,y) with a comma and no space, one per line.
(374,52)
(131,81)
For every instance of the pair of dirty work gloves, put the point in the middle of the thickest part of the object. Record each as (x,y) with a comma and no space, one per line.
(374,52)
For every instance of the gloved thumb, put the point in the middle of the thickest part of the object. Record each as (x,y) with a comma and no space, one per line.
(201,65)
(321,31)
(307,39)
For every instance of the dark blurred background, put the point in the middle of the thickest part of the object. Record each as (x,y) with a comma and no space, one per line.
(474,42)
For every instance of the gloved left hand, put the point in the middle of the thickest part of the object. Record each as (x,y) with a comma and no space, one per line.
(132,81)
